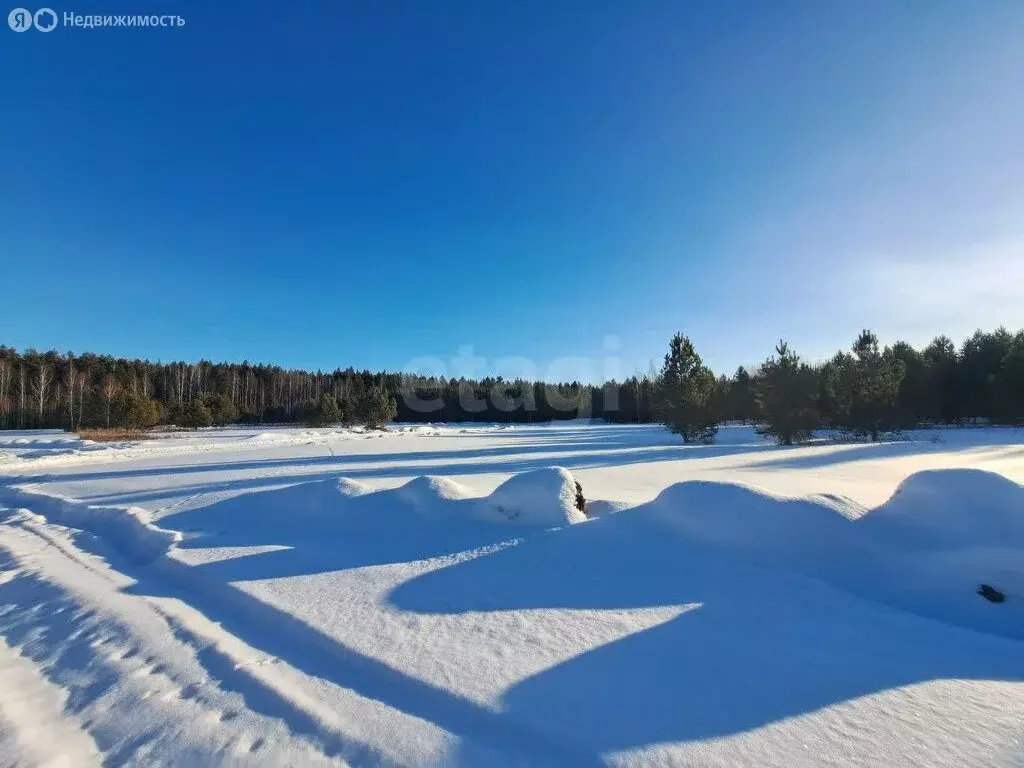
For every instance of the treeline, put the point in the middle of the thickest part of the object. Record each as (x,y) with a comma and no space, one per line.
(868,390)
(73,392)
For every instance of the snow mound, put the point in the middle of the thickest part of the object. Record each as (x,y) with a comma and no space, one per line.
(784,531)
(927,550)
(350,488)
(951,509)
(432,496)
(544,497)
(947,532)
(602,508)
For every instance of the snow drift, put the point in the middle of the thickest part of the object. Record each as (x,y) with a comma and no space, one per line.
(128,530)
(545,497)
(426,517)
(927,550)
(792,534)
(951,509)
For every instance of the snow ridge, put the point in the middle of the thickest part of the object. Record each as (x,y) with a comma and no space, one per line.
(129,530)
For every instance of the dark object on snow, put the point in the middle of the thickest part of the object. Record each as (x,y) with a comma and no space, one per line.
(581,503)
(991,594)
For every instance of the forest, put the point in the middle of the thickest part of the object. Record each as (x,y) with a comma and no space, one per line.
(867,389)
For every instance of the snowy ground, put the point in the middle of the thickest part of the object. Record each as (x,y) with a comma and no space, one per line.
(430,596)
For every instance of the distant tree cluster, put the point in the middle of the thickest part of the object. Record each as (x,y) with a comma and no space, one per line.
(374,407)
(866,391)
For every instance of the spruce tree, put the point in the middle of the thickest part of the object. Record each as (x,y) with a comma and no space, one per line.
(685,392)
(786,391)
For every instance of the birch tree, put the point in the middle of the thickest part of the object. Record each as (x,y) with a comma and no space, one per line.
(44,376)
(110,389)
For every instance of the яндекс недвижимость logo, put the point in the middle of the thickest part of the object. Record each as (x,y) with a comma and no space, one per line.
(46,20)
(22,19)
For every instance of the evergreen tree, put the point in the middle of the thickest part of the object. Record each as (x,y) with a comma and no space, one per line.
(980,359)
(787,392)
(720,410)
(743,404)
(320,412)
(328,410)
(912,398)
(134,411)
(377,408)
(193,415)
(863,388)
(942,401)
(1007,385)
(685,391)
(222,410)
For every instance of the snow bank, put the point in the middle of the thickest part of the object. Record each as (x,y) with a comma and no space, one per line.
(946,532)
(951,509)
(541,497)
(127,530)
(746,519)
(544,497)
(927,550)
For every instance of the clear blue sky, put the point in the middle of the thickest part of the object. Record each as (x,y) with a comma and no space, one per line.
(322,184)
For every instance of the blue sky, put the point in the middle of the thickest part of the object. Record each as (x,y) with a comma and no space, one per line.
(380,183)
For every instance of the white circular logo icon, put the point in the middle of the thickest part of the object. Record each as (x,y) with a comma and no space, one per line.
(45,19)
(19,19)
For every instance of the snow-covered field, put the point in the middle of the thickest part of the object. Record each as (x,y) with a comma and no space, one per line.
(432,596)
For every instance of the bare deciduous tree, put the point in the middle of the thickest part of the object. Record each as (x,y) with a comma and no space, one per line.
(110,389)
(44,376)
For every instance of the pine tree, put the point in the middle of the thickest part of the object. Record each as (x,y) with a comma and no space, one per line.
(328,411)
(863,388)
(193,415)
(1007,385)
(321,412)
(742,401)
(222,410)
(786,391)
(134,411)
(943,402)
(377,408)
(685,391)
